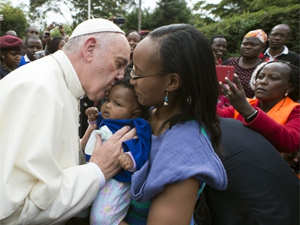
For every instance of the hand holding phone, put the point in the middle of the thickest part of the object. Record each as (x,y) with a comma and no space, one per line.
(225,71)
(46,34)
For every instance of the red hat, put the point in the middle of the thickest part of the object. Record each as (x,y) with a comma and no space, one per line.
(10,42)
(143,32)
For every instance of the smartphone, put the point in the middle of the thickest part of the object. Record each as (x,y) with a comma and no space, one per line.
(57,24)
(46,34)
(225,71)
(40,54)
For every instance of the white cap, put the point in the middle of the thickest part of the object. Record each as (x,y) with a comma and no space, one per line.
(95,26)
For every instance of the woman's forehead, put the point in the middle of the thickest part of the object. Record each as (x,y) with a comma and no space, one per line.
(277,66)
(146,50)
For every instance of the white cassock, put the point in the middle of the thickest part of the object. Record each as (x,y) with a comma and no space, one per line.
(41,179)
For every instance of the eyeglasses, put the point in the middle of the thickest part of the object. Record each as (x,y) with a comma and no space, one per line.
(278,35)
(133,76)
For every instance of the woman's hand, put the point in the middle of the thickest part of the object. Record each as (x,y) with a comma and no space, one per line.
(236,95)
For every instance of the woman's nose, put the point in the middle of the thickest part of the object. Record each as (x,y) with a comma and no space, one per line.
(263,81)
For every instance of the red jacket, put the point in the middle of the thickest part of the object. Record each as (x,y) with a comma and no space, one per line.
(285,138)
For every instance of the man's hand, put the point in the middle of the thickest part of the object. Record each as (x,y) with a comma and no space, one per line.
(62,30)
(106,155)
(50,27)
(125,161)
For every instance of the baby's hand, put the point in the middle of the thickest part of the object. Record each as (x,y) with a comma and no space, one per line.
(125,161)
(92,113)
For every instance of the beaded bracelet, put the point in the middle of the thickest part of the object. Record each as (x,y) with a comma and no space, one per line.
(249,118)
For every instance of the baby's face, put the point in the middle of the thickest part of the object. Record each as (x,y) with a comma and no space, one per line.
(121,103)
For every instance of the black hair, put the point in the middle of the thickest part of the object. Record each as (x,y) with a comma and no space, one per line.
(31,37)
(125,82)
(214,37)
(128,69)
(28,28)
(186,51)
(53,45)
(294,74)
(132,31)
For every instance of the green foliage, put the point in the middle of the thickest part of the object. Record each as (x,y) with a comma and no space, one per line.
(228,8)
(79,9)
(171,11)
(166,12)
(234,28)
(39,8)
(14,19)
(257,5)
(55,32)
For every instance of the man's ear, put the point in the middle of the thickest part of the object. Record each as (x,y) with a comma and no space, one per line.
(174,82)
(89,48)
(137,113)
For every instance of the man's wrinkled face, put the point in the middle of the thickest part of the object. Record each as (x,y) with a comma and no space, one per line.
(108,64)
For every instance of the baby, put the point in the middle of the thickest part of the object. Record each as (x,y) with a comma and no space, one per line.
(120,108)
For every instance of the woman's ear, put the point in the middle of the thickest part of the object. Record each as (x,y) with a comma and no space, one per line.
(89,48)
(2,54)
(137,113)
(174,82)
(290,88)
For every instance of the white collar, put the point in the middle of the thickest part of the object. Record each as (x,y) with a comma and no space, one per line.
(285,52)
(70,75)
(26,58)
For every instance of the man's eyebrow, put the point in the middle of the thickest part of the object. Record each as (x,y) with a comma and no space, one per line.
(125,61)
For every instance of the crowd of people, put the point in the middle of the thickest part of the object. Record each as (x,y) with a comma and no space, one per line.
(161,140)
(32,47)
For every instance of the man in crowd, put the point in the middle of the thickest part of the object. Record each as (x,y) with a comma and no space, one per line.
(31,30)
(277,50)
(32,45)
(41,181)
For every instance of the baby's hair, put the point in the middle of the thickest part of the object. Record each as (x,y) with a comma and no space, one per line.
(294,73)
(125,82)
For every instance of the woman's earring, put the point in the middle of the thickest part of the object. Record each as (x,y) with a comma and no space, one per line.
(286,94)
(166,99)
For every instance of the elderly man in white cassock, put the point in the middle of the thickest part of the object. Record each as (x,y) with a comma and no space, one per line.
(41,179)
